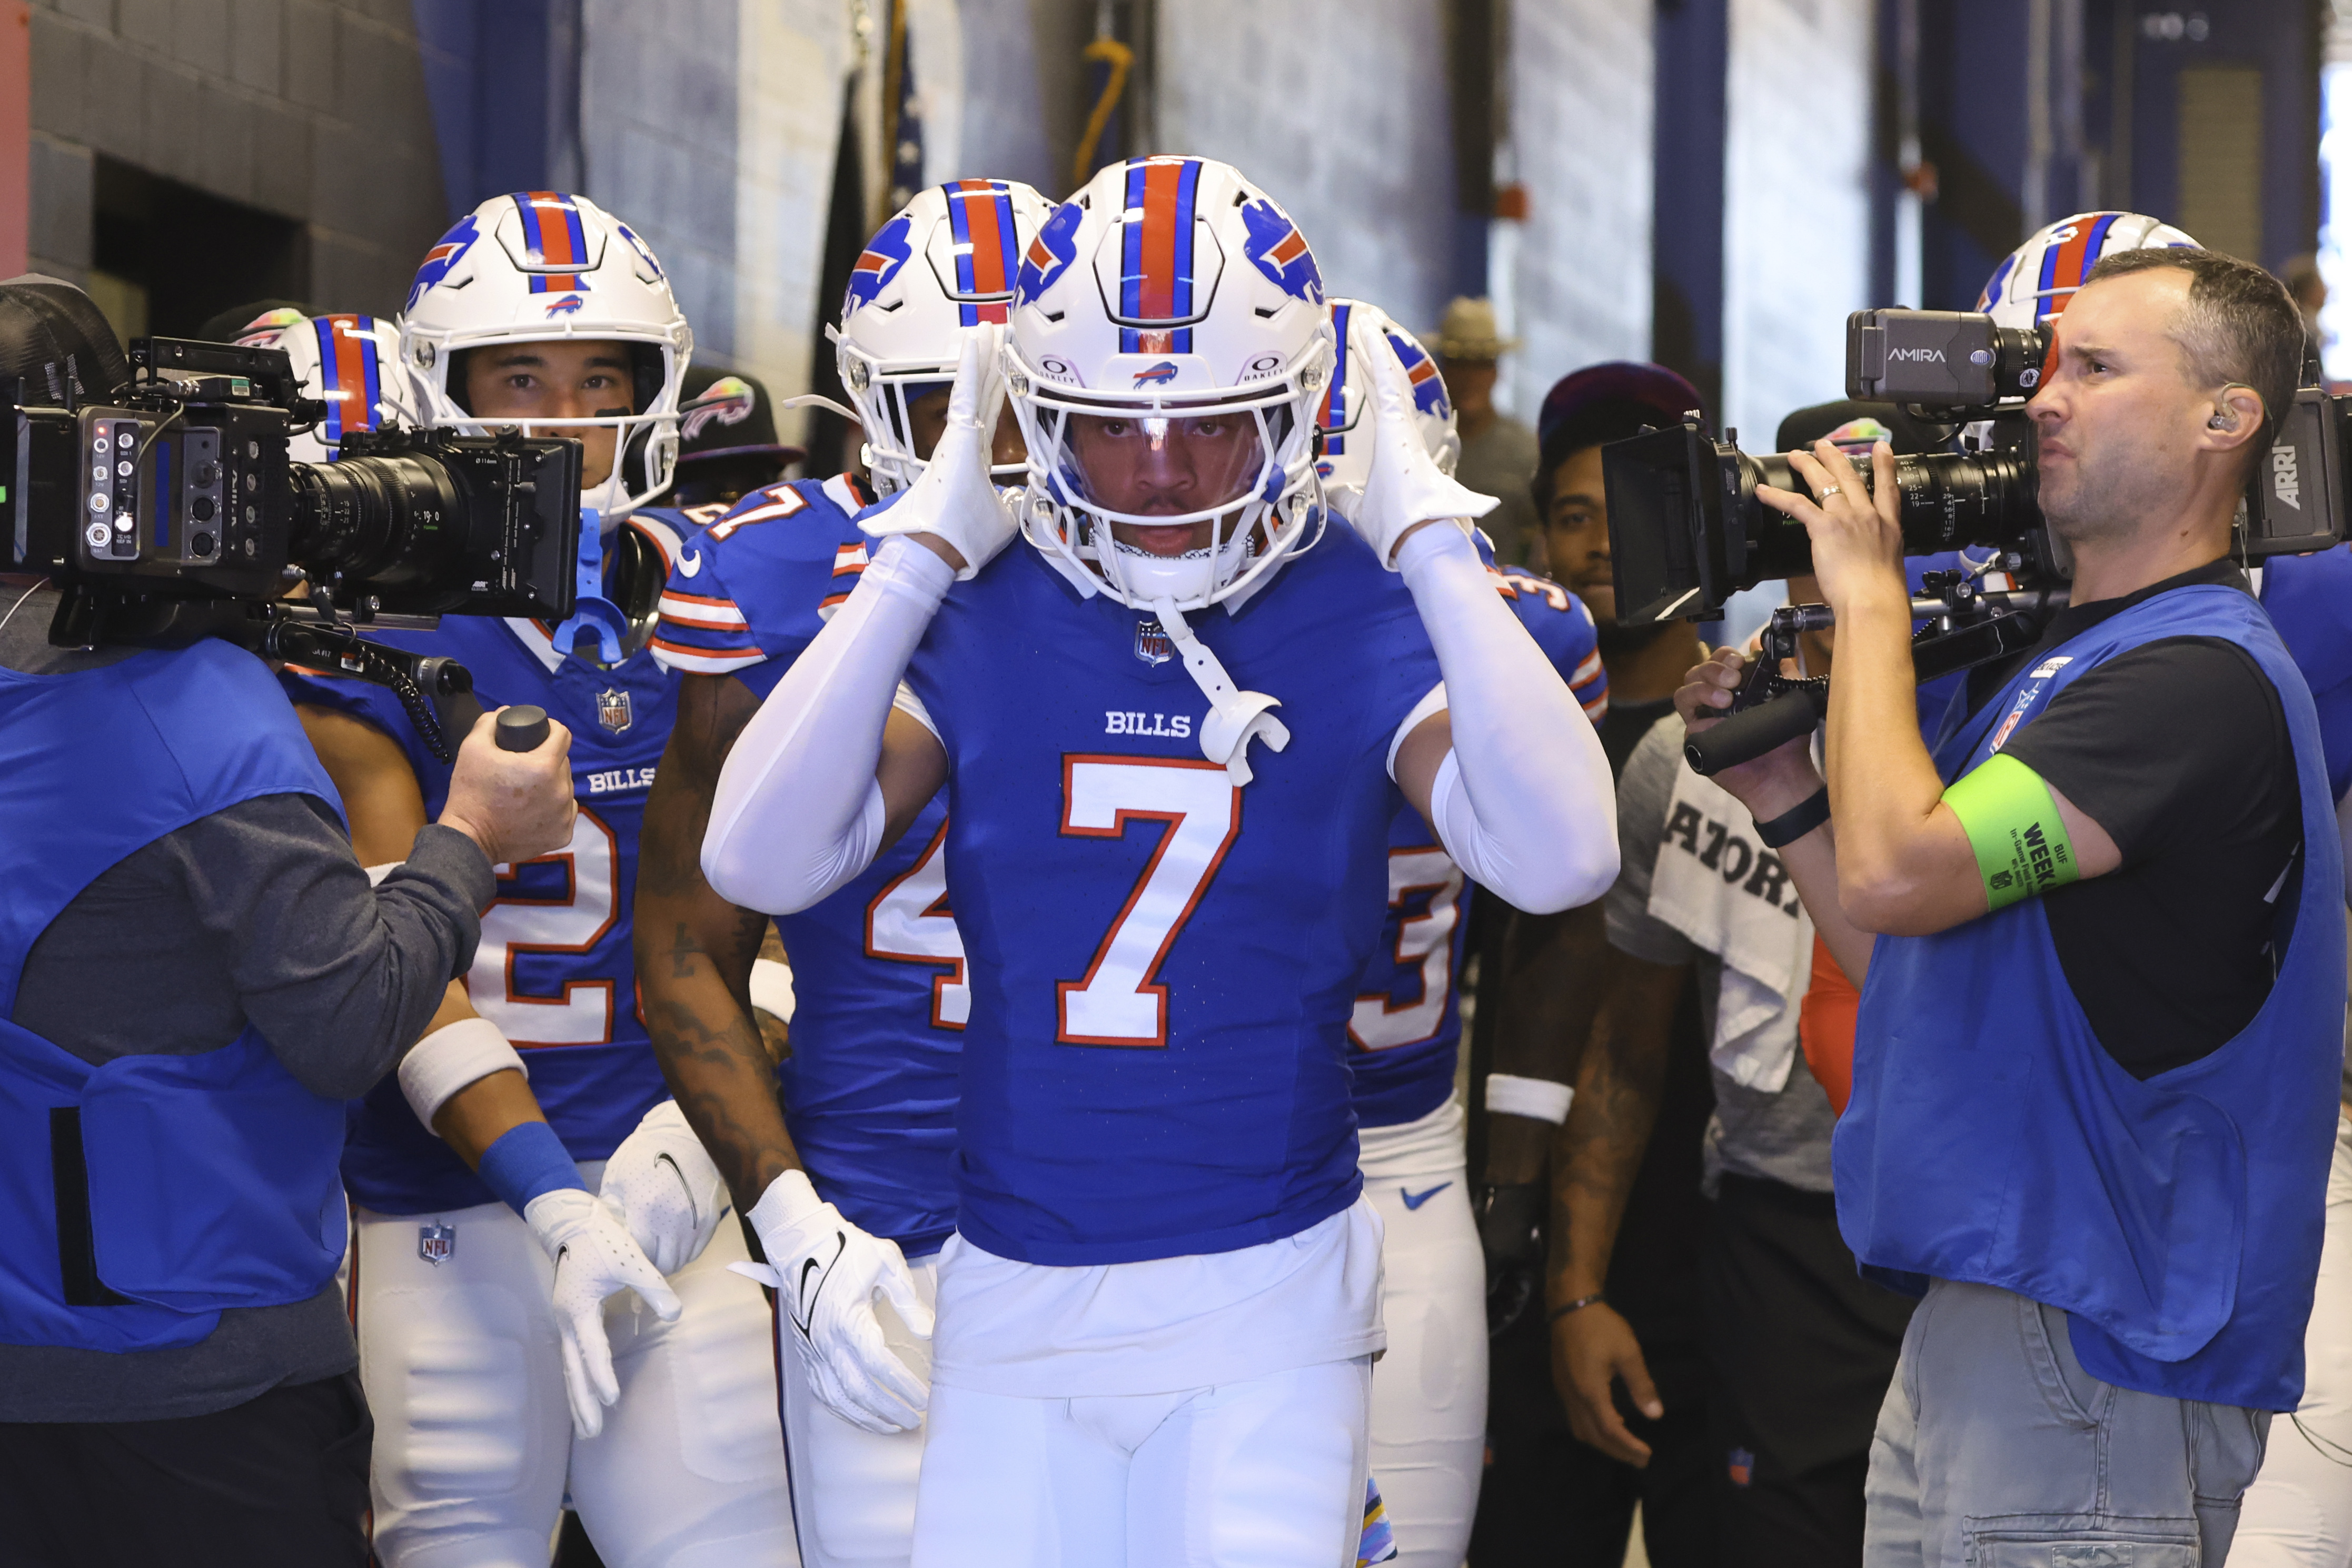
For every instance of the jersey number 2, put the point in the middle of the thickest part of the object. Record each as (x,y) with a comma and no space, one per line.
(581,1011)
(1120,1001)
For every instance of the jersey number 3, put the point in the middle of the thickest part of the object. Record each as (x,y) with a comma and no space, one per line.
(1121,1001)
(516,926)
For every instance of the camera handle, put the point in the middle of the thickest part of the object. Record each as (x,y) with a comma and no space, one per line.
(1967,626)
(438,693)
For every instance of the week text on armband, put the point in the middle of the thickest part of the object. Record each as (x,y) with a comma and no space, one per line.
(1120,722)
(613,779)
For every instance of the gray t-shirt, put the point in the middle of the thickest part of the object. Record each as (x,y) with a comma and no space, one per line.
(260,913)
(1782,1136)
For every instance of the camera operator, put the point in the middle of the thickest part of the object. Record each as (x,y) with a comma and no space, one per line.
(197,974)
(2094,1124)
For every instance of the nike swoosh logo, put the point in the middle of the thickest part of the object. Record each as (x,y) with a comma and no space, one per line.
(806,1293)
(689,562)
(1414,1200)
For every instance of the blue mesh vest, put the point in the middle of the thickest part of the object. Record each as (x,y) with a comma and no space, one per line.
(1991,1139)
(140,1197)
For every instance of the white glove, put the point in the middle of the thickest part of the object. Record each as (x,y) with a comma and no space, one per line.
(1404,486)
(826,1272)
(594,1258)
(661,1181)
(954,497)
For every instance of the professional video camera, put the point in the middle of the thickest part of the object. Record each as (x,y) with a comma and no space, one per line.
(1687,529)
(157,493)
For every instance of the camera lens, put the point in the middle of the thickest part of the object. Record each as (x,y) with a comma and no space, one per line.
(388,521)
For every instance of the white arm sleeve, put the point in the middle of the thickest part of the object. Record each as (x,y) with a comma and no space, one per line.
(1524,802)
(798,812)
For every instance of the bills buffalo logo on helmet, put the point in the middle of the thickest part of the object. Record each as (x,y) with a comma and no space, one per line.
(442,256)
(1428,386)
(639,246)
(727,401)
(1051,253)
(1280,251)
(567,306)
(879,262)
(1160,374)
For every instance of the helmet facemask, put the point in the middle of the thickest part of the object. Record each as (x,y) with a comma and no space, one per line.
(1240,463)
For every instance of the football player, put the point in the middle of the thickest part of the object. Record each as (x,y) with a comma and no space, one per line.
(1157,1315)
(857,1170)
(482,1254)
(1404,1034)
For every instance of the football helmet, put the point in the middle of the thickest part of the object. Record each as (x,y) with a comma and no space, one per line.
(2037,279)
(1346,419)
(352,363)
(944,261)
(1169,348)
(540,266)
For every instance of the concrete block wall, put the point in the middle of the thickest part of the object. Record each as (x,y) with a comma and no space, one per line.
(1578,282)
(313,110)
(1796,221)
(1337,107)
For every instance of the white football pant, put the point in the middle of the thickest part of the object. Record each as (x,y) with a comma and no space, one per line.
(474,1451)
(2298,1512)
(1267,1473)
(1429,1393)
(853,1490)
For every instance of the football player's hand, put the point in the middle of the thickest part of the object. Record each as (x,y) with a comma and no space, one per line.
(827,1273)
(1591,1349)
(517,805)
(954,507)
(1405,487)
(594,1258)
(661,1181)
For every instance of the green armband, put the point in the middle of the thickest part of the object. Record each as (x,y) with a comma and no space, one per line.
(2012,824)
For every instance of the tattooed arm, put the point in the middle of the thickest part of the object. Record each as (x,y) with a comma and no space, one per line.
(695,951)
(1594,1159)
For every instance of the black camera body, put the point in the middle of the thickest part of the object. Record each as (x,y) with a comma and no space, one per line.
(1686,531)
(178,486)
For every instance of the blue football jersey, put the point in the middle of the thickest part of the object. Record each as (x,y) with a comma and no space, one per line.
(878,988)
(1406,1029)
(2309,600)
(1163,964)
(554,969)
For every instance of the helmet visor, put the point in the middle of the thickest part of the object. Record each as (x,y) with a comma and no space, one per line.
(1167,465)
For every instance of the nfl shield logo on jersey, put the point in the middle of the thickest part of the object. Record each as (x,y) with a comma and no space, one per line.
(612,711)
(1152,643)
(435,1243)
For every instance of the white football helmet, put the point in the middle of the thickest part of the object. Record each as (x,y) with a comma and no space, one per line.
(538,266)
(352,363)
(1346,419)
(2037,279)
(1166,299)
(901,324)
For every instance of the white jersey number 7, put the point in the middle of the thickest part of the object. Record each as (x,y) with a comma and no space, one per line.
(1120,1001)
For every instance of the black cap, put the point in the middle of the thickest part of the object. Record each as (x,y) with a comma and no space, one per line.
(725,414)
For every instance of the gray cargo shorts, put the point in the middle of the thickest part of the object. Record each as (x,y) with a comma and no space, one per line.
(1995,1449)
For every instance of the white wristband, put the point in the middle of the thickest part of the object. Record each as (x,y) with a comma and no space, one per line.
(1537,1099)
(789,1200)
(771,989)
(451,1057)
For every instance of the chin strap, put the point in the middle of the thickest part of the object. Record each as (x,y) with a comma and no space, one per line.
(591,611)
(1234,716)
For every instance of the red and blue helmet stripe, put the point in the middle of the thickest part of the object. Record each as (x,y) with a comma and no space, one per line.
(552,235)
(347,365)
(1335,395)
(2066,264)
(980,215)
(1155,274)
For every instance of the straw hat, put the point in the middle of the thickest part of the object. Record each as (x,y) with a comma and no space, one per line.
(1467,332)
